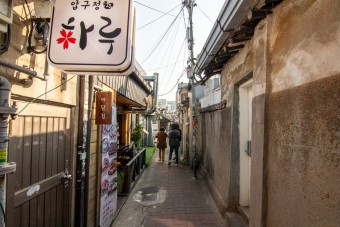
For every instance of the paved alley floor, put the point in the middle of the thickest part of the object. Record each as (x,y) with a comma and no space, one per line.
(169,196)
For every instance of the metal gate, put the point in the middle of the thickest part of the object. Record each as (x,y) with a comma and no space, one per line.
(38,193)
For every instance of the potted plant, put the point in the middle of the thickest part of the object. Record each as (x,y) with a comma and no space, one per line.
(136,135)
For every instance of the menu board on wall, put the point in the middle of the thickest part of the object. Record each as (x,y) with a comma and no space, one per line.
(108,201)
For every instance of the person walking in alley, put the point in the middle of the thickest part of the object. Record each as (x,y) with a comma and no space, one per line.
(161,143)
(174,142)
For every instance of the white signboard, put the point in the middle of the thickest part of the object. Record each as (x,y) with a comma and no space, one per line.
(92,36)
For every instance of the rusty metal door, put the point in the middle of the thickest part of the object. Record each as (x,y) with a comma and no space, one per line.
(38,193)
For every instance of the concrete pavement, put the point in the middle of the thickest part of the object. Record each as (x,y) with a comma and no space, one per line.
(169,196)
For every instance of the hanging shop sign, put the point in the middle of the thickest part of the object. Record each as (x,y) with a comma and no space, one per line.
(93,36)
(103,108)
(108,192)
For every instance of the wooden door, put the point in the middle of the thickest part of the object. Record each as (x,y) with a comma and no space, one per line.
(38,193)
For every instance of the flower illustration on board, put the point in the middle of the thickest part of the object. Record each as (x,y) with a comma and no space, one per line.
(66,38)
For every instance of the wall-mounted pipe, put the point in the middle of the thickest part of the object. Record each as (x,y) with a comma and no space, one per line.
(29,72)
(155,94)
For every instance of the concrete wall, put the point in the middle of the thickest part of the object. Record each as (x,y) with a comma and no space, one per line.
(220,135)
(216,155)
(295,177)
(303,110)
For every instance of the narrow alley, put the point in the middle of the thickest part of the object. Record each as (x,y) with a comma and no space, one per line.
(187,202)
(248,91)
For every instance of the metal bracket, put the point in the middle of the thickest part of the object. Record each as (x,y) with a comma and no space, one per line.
(7,168)
(248,151)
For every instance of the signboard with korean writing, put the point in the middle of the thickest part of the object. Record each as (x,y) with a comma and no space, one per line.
(108,192)
(103,108)
(93,36)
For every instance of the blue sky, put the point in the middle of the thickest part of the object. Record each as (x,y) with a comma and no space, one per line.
(170,57)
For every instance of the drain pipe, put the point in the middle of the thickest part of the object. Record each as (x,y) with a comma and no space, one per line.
(150,111)
(5,168)
(88,145)
(29,72)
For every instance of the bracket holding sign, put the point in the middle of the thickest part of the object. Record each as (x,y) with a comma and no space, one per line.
(93,38)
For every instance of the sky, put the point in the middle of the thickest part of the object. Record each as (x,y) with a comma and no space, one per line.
(160,38)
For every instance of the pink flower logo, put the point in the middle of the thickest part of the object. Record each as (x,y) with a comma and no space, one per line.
(66,38)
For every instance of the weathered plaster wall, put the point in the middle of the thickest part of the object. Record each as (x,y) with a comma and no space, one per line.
(17,54)
(220,154)
(261,70)
(304,42)
(237,68)
(303,115)
(216,153)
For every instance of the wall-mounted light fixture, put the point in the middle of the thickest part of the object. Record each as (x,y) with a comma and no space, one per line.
(39,31)
(6,14)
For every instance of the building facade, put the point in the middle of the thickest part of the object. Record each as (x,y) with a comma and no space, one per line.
(275,154)
(54,140)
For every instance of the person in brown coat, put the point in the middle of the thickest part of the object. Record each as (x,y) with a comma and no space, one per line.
(161,143)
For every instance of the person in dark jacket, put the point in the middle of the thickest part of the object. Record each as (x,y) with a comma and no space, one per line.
(174,142)
(161,143)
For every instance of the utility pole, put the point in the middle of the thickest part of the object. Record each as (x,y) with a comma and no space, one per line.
(189,4)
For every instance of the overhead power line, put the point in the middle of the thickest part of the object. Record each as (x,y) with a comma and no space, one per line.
(162,37)
(164,66)
(204,14)
(171,46)
(167,13)
(176,60)
(174,85)
(44,94)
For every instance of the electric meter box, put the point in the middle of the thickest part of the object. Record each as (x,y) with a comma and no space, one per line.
(6,14)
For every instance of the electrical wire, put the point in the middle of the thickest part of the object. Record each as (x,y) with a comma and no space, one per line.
(162,37)
(158,17)
(159,52)
(44,94)
(162,67)
(169,55)
(174,85)
(176,60)
(165,13)
(204,14)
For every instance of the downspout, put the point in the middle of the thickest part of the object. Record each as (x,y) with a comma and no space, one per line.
(81,159)
(88,145)
(5,168)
